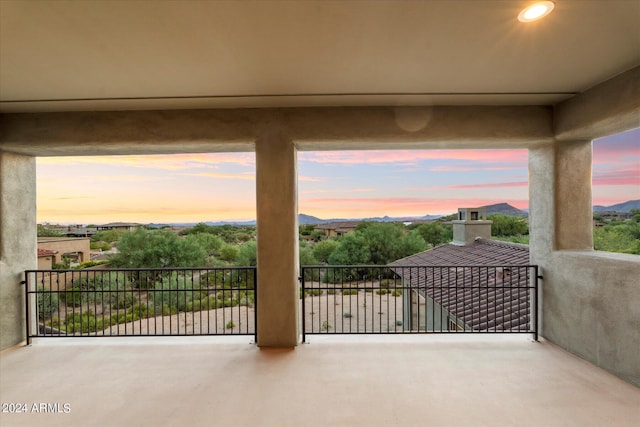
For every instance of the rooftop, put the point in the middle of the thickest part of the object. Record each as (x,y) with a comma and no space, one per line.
(480,252)
(46,252)
(476,296)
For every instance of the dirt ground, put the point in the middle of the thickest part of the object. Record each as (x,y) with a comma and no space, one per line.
(362,312)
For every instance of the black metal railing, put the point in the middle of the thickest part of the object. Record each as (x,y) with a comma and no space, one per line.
(141,302)
(364,299)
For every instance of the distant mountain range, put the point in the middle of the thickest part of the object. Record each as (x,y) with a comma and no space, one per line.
(620,207)
(498,208)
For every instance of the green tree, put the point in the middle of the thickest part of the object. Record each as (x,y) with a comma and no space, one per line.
(247,255)
(322,250)
(307,257)
(621,237)
(435,233)
(158,248)
(212,244)
(108,236)
(45,230)
(353,249)
(384,241)
(229,252)
(506,225)
(412,243)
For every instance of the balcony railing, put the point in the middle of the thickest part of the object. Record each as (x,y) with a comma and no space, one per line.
(141,302)
(419,299)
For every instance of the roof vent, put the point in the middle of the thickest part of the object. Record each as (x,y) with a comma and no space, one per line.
(471,224)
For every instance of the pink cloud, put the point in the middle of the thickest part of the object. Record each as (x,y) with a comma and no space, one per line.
(453,168)
(514,184)
(488,185)
(616,177)
(412,157)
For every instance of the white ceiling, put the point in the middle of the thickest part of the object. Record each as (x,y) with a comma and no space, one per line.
(103,55)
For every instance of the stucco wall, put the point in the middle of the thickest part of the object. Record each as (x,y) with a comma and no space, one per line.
(18,251)
(592,308)
(590,300)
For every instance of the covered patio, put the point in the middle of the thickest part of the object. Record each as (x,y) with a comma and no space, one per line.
(356,381)
(118,78)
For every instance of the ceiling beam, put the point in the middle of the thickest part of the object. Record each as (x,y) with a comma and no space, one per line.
(606,109)
(355,128)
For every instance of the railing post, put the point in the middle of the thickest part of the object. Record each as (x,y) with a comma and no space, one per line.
(536,325)
(26,308)
(304,306)
(255,305)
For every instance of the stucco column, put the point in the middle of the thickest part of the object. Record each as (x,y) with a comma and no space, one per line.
(18,246)
(277,214)
(573,204)
(560,204)
(542,218)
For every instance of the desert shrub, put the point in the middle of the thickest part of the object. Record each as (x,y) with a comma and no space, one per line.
(383,291)
(331,291)
(246,298)
(314,292)
(209,303)
(349,292)
(73,297)
(326,326)
(387,283)
(87,264)
(368,290)
(347,315)
(47,303)
(80,323)
(230,325)
(143,310)
(396,292)
(175,291)
(54,322)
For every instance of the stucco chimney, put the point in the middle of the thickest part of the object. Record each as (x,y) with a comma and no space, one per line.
(471,224)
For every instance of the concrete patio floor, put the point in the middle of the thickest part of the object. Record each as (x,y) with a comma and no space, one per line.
(359,381)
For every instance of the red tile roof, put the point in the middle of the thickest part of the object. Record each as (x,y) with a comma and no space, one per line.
(46,252)
(489,296)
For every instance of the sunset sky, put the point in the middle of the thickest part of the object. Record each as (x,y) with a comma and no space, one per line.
(342,184)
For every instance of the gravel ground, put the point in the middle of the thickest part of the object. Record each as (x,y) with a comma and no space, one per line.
(361,312)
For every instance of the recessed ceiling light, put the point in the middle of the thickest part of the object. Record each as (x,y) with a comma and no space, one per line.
(536,11)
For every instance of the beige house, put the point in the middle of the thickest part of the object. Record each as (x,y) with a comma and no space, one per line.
(121,226)
(45,259)
(337,229)
(77,249)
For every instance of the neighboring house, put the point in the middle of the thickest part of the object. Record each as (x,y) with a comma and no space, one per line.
(125,226)
(456,296)
(45,259)
(77,249)
(337,229)
(78,231)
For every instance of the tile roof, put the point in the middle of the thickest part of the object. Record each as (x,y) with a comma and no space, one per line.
(46,252)
(485,284)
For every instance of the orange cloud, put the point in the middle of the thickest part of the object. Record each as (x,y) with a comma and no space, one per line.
(394,206)
(158,161)
(246,176)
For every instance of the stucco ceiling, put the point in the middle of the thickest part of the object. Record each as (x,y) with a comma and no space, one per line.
(105,55)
